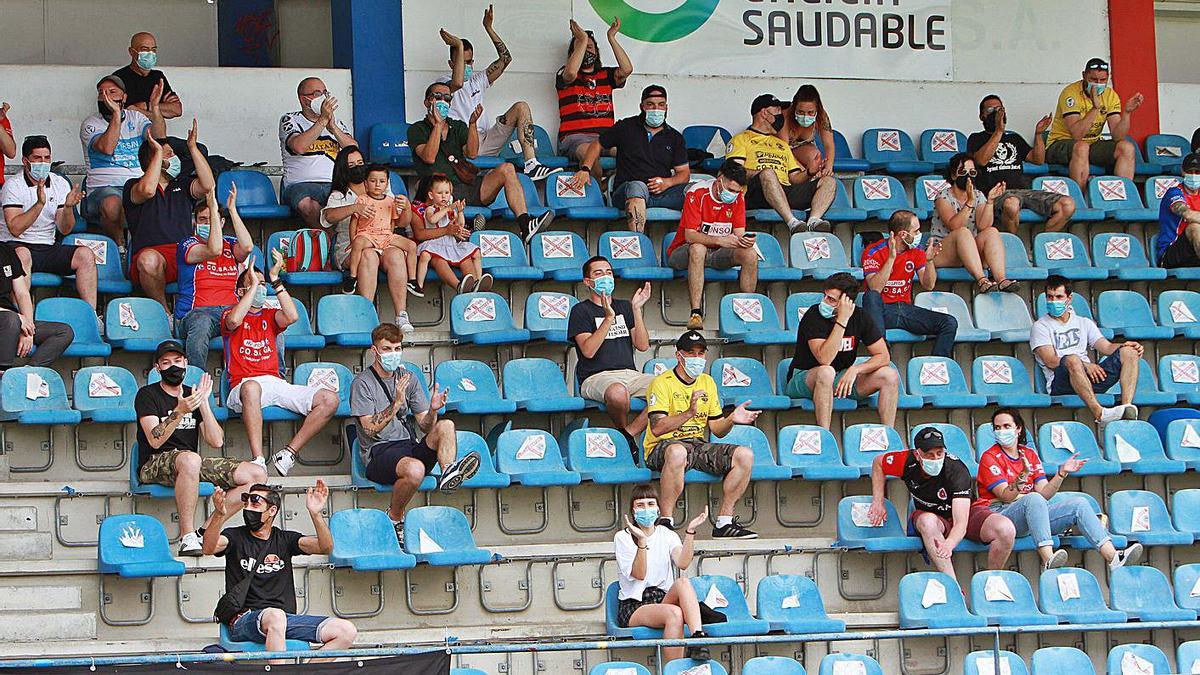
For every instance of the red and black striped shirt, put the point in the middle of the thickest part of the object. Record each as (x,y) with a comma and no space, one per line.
(585,106)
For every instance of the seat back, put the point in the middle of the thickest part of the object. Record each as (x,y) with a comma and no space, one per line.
(560,195)
(1015,255)
(939,145)
(74,312)
(802,445)
(1141,655)
(588,450)
(500,249)
(1129,441)
(1060,660)
(1115,250)
(396,184)
(327,374)
(362,532)
(281,241)
(1167,150)
(841,198)
(532,199)
(709,138)
(44,383)
(772,665)
(770,251)
(389,143)
(103,388)
(1059,250)
(1010,584)
(829,664)
(736,610)
(521,451)
(254,188)
(879,192)
(818,251)
(547,311)
(913,588)
(442,525)
(946,303)
(928,375)
(1060,440)
(752,437)
(533,378)
(627,249)
(131,538)
(887,145)
(1050,592)
(984,662)
(1178,309)
(1113,193)
(109,266)
(862,442)
(804,600)
(852,535)
(1126,505)
(302,326)
(1183,439)
(927,189)
(129,318)
(957,442)
(342,314)
(743,313)
(466,380)
(1156,187)
(552,251)
(1185,512)
(797,304)
(1187,655)
(995,375)
(617,668)
(1179,373)
(840,145)
(473,313)
(1001,311)
(1120,309)
(680,666)
(1135,588)
(1062,186)
(740,377)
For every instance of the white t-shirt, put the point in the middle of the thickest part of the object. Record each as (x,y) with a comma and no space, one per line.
(1076,336)
(17,192)
(660,568)
(315,164)
(115,169)
(462,106)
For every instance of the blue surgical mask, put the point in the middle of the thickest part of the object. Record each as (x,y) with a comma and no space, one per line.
(1096,88)
(260,297)
(1191,181)
(391,361)
(1056,308)
(468,71)
(655,118)
(442,108)
(806,121)
(727,196)
(915,241)
(202,232)
(932,467)
(827,310)
(645,517)
(604,285)
(694,366)
(173,166)
(40,171)
(147,60)
(1006,437)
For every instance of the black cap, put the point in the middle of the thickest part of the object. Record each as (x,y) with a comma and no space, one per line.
(115,79)
(1096,64)
(168,346)
(765,101)
(690,340)
(1191,163)
(929,438)
(654,90)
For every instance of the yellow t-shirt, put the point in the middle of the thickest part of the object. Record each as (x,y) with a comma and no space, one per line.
(1074,99)
(670,396)
(761,151)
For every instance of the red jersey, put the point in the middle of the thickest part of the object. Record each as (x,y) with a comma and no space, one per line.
(708,215)
(996,467)
(250,348)
(207,284)
(585,106)
(899,286)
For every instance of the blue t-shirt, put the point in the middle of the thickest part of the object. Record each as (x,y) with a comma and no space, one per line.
(115,169)
(1170,226)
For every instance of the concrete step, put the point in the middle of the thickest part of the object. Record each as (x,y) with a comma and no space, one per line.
(51,627)
(26,599)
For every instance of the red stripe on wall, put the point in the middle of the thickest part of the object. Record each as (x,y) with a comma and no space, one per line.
(1134,60)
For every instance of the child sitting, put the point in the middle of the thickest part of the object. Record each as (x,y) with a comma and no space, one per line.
(445,239)
(376,227)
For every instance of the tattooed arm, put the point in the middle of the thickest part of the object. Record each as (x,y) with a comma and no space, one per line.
(503,57)
(158,430)
(1180,208)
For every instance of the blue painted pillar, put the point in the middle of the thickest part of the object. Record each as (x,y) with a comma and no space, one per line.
(368,39)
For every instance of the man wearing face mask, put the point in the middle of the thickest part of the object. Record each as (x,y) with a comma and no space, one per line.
(777,181)
(940,486)
(140,78)
(652,164)
(889,266)
(159,208)
(605,331)
(382,398)
(585,92)
(112,140)
(684,409)
(1179,219)
(712,233)
(266,611)
(309,140)
(1084,107)
(172,418)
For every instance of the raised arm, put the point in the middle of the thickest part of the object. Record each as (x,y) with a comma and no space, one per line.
(145,187)
(579,41)
(214,542)
(458,69)
(287,314)
(204,182)
(106,143)
(8,145)
(1120,127)
(1037,155)
(315,500)
(245,243)
(624,65)
(503,57)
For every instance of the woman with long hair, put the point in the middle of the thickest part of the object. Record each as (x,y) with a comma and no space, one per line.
(963,232)
(804,121)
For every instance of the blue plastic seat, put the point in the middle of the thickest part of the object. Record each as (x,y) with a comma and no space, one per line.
(299,334)
(365,540)
(526,467)
(605,668)
(1077,541)
(1167,151)
(537,385)
(710,139)
(396,184)
(953,393)
(844,160)
(1084,443)
(1177,432)
(888,537)
(151,559)
(1175,376)
(389,144)
(852,442)
(1118,198)
(1021,610)
(471,388)
(328,275)
(812,452)
(751,318)
(738,621)
(744,380)
(567,202)
(1089,607)
(1005,381)
(81,318)
(611,604)
(632,256)
(842,210)
(1185,581)
(546,315)
(49,408)
(773,665)
(484,319)
(533,202)
(955,306)
(503,255)
(1143,592)
(830,661)
(110,270)
(1147,392)
(804,611)
(1124,257)
(326,373)
(560,255)
(1059,660)
(1161,532)
(926,190)
(771,263)
(1017,265)
(679,666)
(892,150)
(796,305)
(881,196)
(939,145)
(1185,511)
(820,260)
(543,149)
(429,528)
(108,406)
(711,275)
(1066,254)
(1181,303)
(248,647)
(951,614)
(957,443)
(144,325)
(973,663)
(1128,314)
(255,194)
(1144,653)
(346,320)
(587,455)
(764,467)
(485,477)
(1068,187)
(1004,315)
(1150,458)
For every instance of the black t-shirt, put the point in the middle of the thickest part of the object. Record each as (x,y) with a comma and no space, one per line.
(273,585)
(165,218)
(453,145)
(152,400)
(138,87)
(10,268)
(641,155)
(1007,164)
(860,331)
(930,493)
(616,352)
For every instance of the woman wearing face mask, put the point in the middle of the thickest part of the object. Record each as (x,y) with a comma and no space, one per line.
(963,226)
(647,557)
(1013,485)
(804,120)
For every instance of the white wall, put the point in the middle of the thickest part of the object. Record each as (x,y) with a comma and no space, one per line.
(1175,43)
(238,109)
(1177,108)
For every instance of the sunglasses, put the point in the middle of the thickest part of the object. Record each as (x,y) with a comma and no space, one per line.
(248,498)
(442,97)
(969,172)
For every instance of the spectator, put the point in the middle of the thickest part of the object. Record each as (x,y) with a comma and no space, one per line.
(439,144)
(1060,342)
(441,227)
(1013,487)
(803,122)
(585,92)
(940,487)
(964,234)
(209,263)
(8,146)
(469,88)
(889,265)
(1084,107)
(377,227)
(309,140)
(777,181)
(1178,242)
(159,208)
(250,330)
(140,78)
(266,611)
(683,409)
(38,209)
(605,331)
(18,330)
(712,233)
(652,163)
(1002,154)
(648,556)
(112,144)
(827,344)
(172,417)
(382,398)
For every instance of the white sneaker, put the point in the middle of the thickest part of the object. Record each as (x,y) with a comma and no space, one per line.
(261,461)
(1110,415)
(1130,556)
(1057,560)
(284,460)
(403,322)
(190,545)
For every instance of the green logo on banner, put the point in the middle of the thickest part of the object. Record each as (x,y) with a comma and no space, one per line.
(662,27)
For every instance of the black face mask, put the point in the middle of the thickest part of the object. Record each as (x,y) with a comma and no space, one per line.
(777,123)
(589,60)
(960,182)
(357,174)
(103,108)
(173,376)
(254,519)
(989,122)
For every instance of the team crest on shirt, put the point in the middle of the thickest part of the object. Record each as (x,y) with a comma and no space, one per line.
(995,470)
(653,399)
(1070,101)
(8,270)
(941,493)
(909,266)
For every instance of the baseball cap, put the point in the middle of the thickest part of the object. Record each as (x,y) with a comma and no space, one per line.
(1191,163)
(765,101)
(654,90)
(1096,64)
(929,438)
(168,346)
(690,340)
(115,79)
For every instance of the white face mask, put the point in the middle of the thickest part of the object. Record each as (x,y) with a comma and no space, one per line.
(315,104)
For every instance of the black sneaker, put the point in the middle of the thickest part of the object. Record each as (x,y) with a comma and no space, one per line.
(667,523)
(538,171)
(416,290)
(456,473)
(534,224)
(349,285)
(733,530)
(697,652)
(399,532)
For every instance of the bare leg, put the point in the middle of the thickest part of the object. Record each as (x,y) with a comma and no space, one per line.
(152,275)
(444,439)
(83,263)
(1080,165)
(187,487)
(1064,210)
(310,212)
(336,634)
(368,274)
(670,482)
(472,265)
(887,383)
(635,210)
(273,623)
(520,117)
(409,474)
(357,247)
(396,266)
(324,406)
(735,482)
(1129,374)
(665,616)
(930,529)
(112,219)
(616,403)
(991,251)
(251,396)
(503,176)
(820,382)
(422,270)
(444,272)
(823,199)
(748,277)
(1125,159)
(683,595)
(1082,384)
(773,192)
(1010,214)
(999,533)
(695,273)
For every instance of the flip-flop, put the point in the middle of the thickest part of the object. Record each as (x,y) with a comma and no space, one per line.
(985,285)
(1008,286)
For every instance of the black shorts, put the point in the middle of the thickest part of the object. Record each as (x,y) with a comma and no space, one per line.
(799,195)
(469,192)
(625,609)
(1180,253)
(51,258)
(384,457)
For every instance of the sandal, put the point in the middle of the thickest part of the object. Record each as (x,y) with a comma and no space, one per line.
(985,285)
(1008,286)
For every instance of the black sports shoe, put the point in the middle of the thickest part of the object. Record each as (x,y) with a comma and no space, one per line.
(534,224)
(667,523)
(733,530)
(416,290)
(349,285)
(399,532)
(697,652)
(456,473)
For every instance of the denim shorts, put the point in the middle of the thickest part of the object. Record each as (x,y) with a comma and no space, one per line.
(296,192)
(89,208)
(1112,369)
(306,627)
